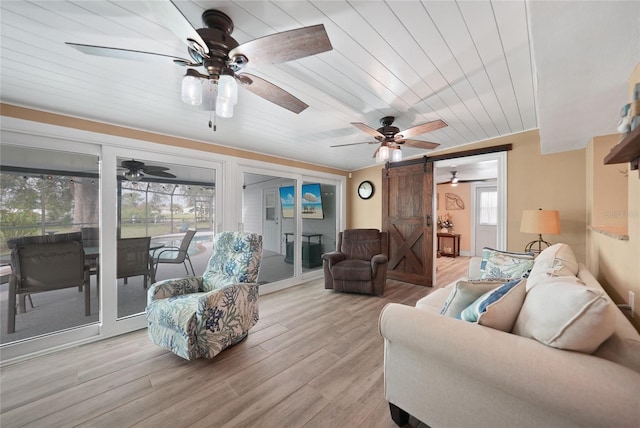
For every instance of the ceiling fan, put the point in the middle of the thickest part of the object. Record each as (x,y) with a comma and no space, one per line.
(224,59)
(135,169)
(454,180)
(390,137)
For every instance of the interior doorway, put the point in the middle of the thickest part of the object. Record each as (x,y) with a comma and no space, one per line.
(471,173)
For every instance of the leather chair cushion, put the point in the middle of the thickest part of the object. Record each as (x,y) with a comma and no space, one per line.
(352,270)
(361,244)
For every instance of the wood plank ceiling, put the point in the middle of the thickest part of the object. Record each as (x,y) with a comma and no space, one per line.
(469,63)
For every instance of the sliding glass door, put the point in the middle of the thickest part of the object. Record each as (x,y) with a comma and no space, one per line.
(50,198)
(268,203)
(297,218)
(159,203)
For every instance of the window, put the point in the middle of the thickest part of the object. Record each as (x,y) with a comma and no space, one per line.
(488,209)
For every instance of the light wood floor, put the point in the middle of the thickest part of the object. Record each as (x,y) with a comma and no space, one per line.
(314,359)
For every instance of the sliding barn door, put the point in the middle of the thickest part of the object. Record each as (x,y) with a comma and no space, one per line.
(407,193)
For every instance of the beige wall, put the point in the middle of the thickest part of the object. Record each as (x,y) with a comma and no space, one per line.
(554,181)
(364,213)
(614,256)
(606,186)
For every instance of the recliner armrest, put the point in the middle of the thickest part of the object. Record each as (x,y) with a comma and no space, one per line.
(226,314)
(174,287)
(378,260)
(334,257)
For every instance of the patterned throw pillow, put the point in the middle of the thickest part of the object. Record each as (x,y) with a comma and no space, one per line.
(505,264)
(498,308)
(465,293)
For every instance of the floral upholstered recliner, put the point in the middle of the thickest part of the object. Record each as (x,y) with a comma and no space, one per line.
(201,316)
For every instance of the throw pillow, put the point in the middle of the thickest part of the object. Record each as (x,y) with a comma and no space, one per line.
(465,293)
(561,312)
(504,264)
(556,260)
(498,308)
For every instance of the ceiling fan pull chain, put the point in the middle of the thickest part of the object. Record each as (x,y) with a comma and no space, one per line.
(211,111)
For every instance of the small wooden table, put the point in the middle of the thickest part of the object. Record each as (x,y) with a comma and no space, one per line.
(449,251)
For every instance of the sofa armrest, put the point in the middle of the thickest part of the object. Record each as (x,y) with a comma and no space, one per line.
(174,287)
(430,358)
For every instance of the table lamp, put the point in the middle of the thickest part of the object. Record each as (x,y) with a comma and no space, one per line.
(539,221)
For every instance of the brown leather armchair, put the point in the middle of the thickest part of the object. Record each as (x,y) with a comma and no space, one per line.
(359,264)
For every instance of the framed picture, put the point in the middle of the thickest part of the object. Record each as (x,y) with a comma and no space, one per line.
(311,201)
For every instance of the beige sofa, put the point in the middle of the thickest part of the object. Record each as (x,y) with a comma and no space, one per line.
(447,372)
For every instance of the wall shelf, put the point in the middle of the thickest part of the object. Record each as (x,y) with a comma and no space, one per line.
(618,233)
(627,150)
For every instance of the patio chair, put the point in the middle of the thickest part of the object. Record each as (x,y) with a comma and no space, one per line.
(201,316)
(133,258)
(176,255)
(46,263)
(91,239)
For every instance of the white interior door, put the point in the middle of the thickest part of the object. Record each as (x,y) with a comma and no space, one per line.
(271,236)
(486,218)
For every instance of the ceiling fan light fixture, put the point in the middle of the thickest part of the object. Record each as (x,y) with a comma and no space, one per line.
(191,89)
(133,175)
(227,96)
(396,155)
(383,154)
(454,178)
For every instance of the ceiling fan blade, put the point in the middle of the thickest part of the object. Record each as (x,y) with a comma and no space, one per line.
(153,168)
(368,130)
(123,53)
(419,144)
(270,92)
(285,46)
(353,144)
(132,164)
(170,16)
(421,129)
(159,173)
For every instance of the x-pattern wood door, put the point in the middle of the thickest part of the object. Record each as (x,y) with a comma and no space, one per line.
(407,215)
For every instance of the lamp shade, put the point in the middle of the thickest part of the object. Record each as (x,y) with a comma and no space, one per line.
(540,221)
